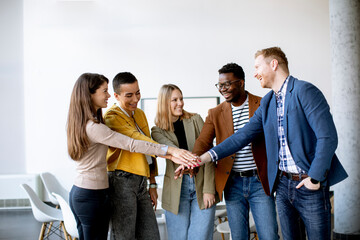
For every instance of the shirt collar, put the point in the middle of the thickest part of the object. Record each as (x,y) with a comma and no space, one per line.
(283,87)
(242,105)
(126,113)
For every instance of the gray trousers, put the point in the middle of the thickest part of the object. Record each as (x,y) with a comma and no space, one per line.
(132,214)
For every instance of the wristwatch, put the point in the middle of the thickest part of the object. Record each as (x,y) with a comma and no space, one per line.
(153,185)
(313,181)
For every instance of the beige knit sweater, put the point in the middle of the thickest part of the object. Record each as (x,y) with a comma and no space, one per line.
(91,168)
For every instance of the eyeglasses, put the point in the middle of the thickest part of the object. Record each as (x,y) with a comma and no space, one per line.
(225,85)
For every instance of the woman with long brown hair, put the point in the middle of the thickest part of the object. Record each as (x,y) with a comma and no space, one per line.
(189,201)
(88,140)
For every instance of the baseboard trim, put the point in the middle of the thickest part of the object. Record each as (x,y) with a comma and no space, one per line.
(341,236)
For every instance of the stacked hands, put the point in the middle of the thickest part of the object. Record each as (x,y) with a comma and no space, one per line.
(188,161)
(184,168)
(183,157)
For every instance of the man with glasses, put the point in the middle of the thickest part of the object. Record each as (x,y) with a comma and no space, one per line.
(241,176)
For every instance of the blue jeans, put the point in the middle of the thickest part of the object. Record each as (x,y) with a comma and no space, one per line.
(191,222)
(312,206)
(91,211)
(241,195)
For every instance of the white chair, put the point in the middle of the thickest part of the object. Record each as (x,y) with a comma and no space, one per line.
(160,216)
(225,228)
(252,226)
(43,212)
(220,216)
(52,185)
(69,219)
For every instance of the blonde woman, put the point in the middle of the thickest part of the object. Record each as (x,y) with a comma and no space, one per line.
(88,140)
(189,201)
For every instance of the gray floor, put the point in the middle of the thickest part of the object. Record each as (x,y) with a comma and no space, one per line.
(20,224)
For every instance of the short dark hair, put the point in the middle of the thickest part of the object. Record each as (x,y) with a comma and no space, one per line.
(122,78)
(233,68)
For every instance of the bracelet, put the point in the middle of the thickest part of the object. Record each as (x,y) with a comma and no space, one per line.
(153,185)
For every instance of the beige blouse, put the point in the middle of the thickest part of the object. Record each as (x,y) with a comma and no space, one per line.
(91,168)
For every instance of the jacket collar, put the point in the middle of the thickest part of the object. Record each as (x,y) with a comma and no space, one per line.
(253,104)
(137,117)
(126,113)
(290,86)
(189,132)
(226,115)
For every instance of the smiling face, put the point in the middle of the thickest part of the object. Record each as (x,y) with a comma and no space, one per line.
(235,90)
(176,104)
(264,72)
(129,96)
(100,97)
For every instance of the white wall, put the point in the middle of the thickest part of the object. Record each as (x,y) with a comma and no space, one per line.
(12,124)
(162,41)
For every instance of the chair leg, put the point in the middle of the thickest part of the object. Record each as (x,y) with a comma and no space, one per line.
(64,231)
(70,237)
(49,228)
(222,234)
(256,236)
(51,224)
(42,231)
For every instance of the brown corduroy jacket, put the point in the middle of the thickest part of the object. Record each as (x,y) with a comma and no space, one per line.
(219,124)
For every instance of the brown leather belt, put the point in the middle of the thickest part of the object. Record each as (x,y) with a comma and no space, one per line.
(293,176)
(249,173)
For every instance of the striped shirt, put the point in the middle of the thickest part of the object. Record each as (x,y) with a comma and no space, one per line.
(244,159)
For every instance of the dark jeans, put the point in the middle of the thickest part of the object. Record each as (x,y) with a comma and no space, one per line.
(91,210)
(313,207)
(132,214)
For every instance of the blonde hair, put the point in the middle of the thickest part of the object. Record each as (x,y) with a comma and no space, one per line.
(163,117)
(274,53)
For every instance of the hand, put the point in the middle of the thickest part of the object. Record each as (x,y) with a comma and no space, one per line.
(181,156)
(209,199)
(179,172)
(308,184)
(204,158)
(154,197)
(191,171)
(179,161)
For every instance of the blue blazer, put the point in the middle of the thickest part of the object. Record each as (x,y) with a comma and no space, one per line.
(309,129)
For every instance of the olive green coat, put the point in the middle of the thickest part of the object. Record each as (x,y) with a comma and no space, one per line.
(204,179)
